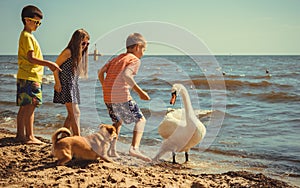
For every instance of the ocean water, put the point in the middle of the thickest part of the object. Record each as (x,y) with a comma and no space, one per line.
(252,117)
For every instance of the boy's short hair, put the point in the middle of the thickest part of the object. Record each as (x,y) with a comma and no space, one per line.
(134,39)
(31,11)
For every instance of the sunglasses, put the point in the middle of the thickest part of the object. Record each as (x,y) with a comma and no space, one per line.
(85,43)
(36,22)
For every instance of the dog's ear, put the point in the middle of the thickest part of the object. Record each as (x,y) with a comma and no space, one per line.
(100,126)
(110,130)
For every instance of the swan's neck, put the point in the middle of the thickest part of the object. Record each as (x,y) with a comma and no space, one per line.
(187,103)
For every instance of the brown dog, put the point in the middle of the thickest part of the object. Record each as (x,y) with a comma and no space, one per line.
(87,148)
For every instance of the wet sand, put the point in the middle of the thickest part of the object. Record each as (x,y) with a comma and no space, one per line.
(33,166)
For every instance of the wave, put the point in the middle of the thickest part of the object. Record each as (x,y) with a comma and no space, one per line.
(243,76)
(47,79)
(7,113)
(280,163)
(199,113)
(267,76)
(7,103)
(7,118)
(8,75)
(245,154)
(235,84)
(289,75)
(275,97)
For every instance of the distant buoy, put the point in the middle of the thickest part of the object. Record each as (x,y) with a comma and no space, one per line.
(95,54)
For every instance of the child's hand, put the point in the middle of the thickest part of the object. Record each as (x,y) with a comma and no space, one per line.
(144,96)
(53,67)
(57,87)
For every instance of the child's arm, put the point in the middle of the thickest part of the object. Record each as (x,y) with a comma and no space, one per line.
(101,73)
(31,58)
(57,84)
(65,54)
(127,75)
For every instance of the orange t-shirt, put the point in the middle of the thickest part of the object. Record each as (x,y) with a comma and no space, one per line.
(115,88)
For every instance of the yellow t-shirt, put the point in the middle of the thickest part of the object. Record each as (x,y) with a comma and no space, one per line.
(28,70)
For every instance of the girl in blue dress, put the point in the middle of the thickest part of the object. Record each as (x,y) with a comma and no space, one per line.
(73,62)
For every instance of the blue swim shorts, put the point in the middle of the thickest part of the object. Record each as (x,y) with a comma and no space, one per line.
(128,112)
(29,92)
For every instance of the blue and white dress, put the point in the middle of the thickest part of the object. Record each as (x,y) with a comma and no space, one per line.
(70,92)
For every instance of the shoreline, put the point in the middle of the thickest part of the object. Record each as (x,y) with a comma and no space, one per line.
(32,165)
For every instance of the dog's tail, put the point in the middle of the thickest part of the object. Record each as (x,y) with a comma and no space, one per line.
(63,130)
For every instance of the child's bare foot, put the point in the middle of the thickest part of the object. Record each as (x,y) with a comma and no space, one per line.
(20,139)
(34,141)
(135,152)
(113,154)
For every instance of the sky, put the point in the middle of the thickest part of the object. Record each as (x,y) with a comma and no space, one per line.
(235,27)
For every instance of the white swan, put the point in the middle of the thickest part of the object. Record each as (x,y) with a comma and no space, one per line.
(181,129)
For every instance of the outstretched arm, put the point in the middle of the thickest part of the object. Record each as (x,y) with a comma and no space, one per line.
(31,58)
(128,77)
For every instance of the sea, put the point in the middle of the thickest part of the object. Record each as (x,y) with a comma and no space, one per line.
(249,104)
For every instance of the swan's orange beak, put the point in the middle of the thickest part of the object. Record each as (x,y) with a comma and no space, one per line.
(173,98)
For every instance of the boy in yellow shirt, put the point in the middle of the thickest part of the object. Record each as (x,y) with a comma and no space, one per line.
(29,76)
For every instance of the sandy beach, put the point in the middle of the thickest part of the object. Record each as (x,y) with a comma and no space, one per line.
(33,166)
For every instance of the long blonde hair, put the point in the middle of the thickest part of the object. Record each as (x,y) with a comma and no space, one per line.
(79,59)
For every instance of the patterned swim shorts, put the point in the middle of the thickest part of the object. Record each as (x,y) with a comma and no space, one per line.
(128,112)
(29,92)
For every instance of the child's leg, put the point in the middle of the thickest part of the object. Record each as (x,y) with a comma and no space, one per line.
(136,140)
(74,115)
(28,121)
(20,125)
(138,132)
(29,95)
(67,122)
(117,124)
(113,145)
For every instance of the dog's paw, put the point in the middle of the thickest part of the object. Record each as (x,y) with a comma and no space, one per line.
(107,159)
(114,154)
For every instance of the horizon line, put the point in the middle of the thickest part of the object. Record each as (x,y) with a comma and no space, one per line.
(179,55)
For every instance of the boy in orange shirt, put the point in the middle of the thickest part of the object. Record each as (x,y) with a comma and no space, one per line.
(30,74)
(116,85)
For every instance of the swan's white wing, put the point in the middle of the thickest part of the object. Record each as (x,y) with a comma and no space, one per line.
(172,120)
(168,126)
(195,139)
